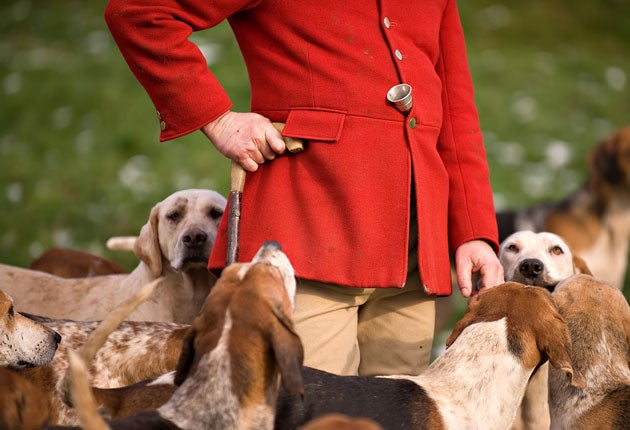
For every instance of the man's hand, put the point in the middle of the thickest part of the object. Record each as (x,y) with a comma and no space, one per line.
(477,256)
(247,138)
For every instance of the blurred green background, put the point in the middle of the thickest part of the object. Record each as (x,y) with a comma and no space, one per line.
(80,159)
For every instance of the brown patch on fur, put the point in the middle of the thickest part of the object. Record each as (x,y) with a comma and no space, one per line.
(580,266)
(612,413)
(587,303)
(130,400)
(22,405)
(609,179)
(341,422)
(579,229)
(611,160)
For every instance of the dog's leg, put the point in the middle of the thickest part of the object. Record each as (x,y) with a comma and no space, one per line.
(533,414)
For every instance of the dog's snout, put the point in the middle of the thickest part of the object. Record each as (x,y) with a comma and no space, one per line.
(56,337)
(195,238)
(531,267)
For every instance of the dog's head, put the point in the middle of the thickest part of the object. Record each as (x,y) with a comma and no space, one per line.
(598,317)
(251,306)
(538,259)
(181,230)
(24,342)
(610,164)
(535,329)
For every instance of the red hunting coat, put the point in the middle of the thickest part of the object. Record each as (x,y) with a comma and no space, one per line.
(340,209)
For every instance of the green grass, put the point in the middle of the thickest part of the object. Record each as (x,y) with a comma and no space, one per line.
(80,159)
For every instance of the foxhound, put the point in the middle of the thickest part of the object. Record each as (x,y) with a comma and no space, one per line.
(598,317)
(238,350)
(477,383)
(540,259)
(174,244)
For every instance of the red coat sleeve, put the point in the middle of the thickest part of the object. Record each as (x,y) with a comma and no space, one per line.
(153,38)
(471,208)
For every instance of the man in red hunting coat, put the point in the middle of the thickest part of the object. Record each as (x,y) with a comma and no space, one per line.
(368,211)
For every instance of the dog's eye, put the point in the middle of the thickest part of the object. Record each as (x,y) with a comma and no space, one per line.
(512,248)
(11,312)
(215,213)
(556,250)
(173,216)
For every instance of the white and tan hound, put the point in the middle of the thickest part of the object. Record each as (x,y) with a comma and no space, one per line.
(477,383)
(539,259)
(174,244)
(24,343)
(237,351)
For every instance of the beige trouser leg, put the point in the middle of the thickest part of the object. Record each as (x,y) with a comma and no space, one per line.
(367,331)
(396,331)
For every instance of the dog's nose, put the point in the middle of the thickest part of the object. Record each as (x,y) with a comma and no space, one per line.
(531,267)
(195,238)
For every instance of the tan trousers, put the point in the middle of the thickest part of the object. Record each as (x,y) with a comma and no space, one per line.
(367,331)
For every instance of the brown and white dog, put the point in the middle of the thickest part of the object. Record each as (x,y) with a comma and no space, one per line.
(23,342)
(598,317)
(135,351)
(477,383)
(22,405)
(594,220)
(42,385)
(175,244)
(238,350)
(539,259)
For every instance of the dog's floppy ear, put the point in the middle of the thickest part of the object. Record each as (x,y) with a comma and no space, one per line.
(147,245)
(186,358)
(289,352)
(580,266)
(464,321)
(605,162)
(558,350)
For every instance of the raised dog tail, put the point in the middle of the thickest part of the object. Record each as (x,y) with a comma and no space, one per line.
(84,401)
(121,243)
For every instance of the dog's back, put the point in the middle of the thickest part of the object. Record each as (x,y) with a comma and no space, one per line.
(598,317)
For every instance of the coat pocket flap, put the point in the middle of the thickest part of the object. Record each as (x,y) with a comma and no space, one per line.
(314,124)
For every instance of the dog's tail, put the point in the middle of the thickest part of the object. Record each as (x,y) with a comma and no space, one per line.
(121,243)
(84,401)
(99,336)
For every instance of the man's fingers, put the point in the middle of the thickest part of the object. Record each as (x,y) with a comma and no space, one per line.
(464,281)
(492,275)
(248,164)
(274,141)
